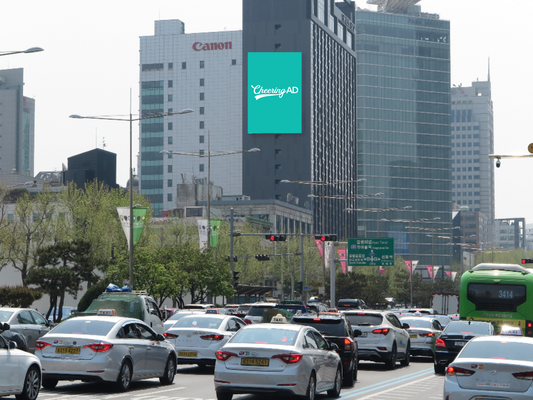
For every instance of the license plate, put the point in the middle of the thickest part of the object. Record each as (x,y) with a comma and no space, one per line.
(67,350)
(187,354)
(460,344)
(363,334)
(260,362)
(413,336)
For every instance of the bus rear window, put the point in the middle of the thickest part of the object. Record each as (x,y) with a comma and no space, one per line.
(496,297)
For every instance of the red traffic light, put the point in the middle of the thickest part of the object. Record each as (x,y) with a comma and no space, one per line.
(527,260)
(276,238)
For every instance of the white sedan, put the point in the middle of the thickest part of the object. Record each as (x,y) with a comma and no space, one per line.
(20,371)
(105,348)
(278,359)
(197,337)
(491,367)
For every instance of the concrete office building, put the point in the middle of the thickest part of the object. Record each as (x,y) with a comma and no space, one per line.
(403,127)
(17,120)
(472,142)
(307,45)
(201,71)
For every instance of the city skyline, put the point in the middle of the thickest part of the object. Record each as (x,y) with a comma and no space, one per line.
(89,66)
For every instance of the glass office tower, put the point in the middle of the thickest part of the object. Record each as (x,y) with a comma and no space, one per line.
(403,128)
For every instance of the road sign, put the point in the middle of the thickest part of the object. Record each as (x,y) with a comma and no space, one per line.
(308,287)
(371,252)
(321,290)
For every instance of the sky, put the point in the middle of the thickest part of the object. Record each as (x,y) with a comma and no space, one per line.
(90,65)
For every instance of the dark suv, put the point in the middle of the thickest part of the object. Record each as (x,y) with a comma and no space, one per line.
(336,329)
(351,304)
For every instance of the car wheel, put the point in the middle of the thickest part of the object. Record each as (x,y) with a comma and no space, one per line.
(350,376)
(224,396)
(336,391)
(124,377)
(32,384)
(439,369)
(49,383)
(311,388)
(170,372)
(391,363)
(405,361)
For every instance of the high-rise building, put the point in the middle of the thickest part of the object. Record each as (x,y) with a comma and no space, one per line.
(96,164)
(306,134)
(17,115)
(472,142)
(203,72)
(403,128)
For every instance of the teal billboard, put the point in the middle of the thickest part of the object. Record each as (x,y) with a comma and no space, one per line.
(274,92)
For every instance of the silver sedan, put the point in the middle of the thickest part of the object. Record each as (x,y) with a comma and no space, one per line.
(105,348)
(197,337)
(278,359)
(26,322)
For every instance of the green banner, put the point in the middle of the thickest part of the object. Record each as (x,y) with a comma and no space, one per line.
(139,216)
(215,231)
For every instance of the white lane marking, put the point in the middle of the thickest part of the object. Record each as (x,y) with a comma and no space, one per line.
(381,393)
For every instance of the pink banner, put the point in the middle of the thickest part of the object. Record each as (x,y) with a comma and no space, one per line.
(430,271)
(449,273)
(342,256)
(381,269)
(408,265)
(320,246)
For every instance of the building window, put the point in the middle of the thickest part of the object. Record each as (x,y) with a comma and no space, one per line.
(169,140)
(169,183)
(169,155)
(170,66)
(169,110)
(169,169)
(170,98)
(202,81)
(169,126)
(234,62)
(202,64)
(277,45)
(201,152)
(184,65)
(201,111)
(201,124)
(170,84)
(169,197)
(201,138)
(277,26)
(201,167)
(202,96)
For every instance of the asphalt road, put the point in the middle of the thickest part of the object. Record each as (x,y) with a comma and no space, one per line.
(415,382)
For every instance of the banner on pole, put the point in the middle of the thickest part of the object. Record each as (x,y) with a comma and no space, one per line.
(327,253)
(320,247)
(342,256)
(139,216)
(430,272)
(215,231)
(202,232)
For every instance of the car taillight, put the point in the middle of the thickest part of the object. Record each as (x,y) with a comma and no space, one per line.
(440,343)
(348,344)
(99,347)
(224,355)
(525,376)
(247,321)
(289,358)
(170,335)
(381,331)
(41,345)
(212,337)
(458,371)
(430,334)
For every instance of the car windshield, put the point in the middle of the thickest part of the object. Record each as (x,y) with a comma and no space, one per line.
(243,308)
(416,322)
(84,327)
(464,328)
(266,336)
(195,321)
(326,326)
(498,350)
(5,315)
(364,319)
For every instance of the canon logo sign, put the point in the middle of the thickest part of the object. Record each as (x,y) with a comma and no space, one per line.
(199,46)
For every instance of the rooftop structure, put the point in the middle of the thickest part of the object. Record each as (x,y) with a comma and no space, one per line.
(393,6)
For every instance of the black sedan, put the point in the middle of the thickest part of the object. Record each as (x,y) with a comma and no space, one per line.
(454,337)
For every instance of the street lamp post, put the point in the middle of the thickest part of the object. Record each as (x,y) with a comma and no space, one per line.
(30,50)
(209,155)
(130,119)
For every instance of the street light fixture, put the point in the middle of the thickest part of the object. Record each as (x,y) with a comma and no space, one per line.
(209,155)
(131,119)
(378,210)
(30,50)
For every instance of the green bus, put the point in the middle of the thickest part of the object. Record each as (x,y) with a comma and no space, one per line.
(498,293)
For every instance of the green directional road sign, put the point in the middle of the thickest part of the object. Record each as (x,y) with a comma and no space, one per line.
(370,252)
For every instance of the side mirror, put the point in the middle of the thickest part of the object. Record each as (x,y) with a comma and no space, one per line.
(159,337)
(12,345)
(405,326)
(333,346)
(5,326)
(357,333)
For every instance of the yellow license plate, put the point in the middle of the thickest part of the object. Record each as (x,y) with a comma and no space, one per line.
(261,362)
(413,336)
(67,350)
(187,354)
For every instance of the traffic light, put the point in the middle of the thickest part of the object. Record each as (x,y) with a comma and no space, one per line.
(235,278)
(228,258)
(527,260)
(276,238)
(326,238)
(262,257)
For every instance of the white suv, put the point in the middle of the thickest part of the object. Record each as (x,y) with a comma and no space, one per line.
(383,338)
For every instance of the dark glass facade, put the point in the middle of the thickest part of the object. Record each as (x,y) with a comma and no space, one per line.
(403,128)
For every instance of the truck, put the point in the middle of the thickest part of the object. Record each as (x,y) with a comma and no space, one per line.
(445,304)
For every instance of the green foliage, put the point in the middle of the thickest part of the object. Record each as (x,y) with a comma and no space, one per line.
(18,296)
(91,294)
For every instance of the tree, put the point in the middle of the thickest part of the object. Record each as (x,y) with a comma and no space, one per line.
(18,296)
